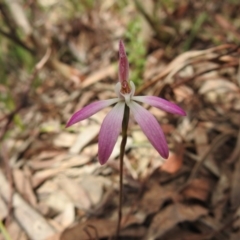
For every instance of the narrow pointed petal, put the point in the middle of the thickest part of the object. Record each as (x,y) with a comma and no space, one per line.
(161,104)
(151,128)
(89,110)
(123,69)
(109,132)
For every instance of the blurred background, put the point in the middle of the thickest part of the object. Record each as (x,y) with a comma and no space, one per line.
(57,56)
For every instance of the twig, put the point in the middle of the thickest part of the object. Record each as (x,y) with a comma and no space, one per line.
(15,39)
(187,61)
(233,64)
(122,150)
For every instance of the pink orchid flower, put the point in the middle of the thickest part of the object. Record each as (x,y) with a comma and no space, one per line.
(112,123)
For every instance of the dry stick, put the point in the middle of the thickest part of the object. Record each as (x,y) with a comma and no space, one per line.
(163,74)
(17,40)
(186,80)
(122,150)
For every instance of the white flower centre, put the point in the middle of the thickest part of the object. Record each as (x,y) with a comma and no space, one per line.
(127,97)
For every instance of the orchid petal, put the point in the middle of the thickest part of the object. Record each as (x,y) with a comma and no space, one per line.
(89,110)
(123,66)
(161,104)
(151,128)
(109,132)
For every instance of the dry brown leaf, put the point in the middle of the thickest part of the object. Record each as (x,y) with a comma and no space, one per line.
(154,198)
(67,71)
(96,227)
(74,161)
(90,150)
(34,224)
(51,163)
(185,59)
(47,187)
(183,92)
(86,136)
(105,72)
(44,155)
(173,214)
(41,176)
(174,162)
(217,87)
(67,217)
(23,185)
(75,192)
(86,169)
(61,161)
(15,232)
(56,201)
(64,139)
(137,218)
(93,187)
(198,189)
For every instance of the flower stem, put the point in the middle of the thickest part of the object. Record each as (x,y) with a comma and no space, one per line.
(122,150)
(4,231)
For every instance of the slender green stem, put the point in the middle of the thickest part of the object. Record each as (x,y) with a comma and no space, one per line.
(122,150)
(4,232)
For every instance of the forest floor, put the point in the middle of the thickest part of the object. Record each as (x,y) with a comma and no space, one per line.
(57,57)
